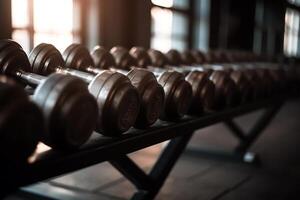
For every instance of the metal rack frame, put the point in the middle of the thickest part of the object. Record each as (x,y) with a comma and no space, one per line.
(50,164)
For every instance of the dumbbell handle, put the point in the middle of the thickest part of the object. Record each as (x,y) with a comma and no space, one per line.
(87,77)
(35,79)
(156,73)
(188,68)
(94,70)
(30,78)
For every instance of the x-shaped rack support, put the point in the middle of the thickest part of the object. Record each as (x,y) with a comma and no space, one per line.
(148,185)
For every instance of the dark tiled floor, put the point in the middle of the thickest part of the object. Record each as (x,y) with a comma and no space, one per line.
(195,177)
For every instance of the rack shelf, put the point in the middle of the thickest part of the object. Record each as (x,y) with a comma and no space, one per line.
(50,164)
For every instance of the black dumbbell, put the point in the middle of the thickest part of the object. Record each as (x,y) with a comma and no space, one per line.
(203,88)
(117,99)
(178,92)
(246,88)
(150,92)
(260,84)
(21,123)
(68,107)
(226,90)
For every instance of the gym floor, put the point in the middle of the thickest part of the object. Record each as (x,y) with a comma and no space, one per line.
(196,177)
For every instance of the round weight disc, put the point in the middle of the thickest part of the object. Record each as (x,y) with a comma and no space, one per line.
(70,111)
(122,57)
(118,102)
(21,124)
(103,59)
(151,94)
(78,57)
(244,86)
(13,58)
(157,58)
(203,91)
(35,59)
(173,57)
(208,94)
(178,95)
(45,59)
(8,43)
(187,58)
(218,78)
(141,56)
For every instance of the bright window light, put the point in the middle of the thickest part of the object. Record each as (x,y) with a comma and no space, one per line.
(292,20)
(20,14)
(169,29)
(162,28)
(51,22)
(164,3)
(53,27)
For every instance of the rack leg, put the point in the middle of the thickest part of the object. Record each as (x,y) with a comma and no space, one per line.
(258,128)
(246,140)
(132,172)
(148,185)
(164,165)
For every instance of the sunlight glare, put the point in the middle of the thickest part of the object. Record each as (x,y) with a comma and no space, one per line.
(20,17)
(162,25)
(164,3)
(53,22)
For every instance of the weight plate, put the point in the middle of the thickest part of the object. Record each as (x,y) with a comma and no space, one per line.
(203,96)
(78,57)
(178,95)
(8,43)
(12,59)
(45,59)
(232,93)
(103,59)
(122,58)
(198,56)
(151,95)
(21,124)
(141,56)
(225,89)
(173,57)
(243,84)
(70,111)
(36,60)
(187,58)
(157,58)
(118,102)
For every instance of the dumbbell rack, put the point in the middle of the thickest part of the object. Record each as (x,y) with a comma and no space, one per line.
(50,164)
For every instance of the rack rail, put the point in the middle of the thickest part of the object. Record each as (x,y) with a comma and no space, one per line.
(98,149)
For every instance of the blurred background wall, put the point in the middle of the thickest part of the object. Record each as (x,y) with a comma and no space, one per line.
(263,26)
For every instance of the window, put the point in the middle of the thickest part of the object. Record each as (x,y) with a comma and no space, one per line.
(49,21)
(170,20)
(291,33)
(201,23)
(295,2)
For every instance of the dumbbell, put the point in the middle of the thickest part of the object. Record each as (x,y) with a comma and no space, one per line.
(272,76)
(203,89)
(150,92)
(68,108)
(231,85)
(247,89)
(258,85)
(178,92)
(21,123)
(117,99)
(226,93)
